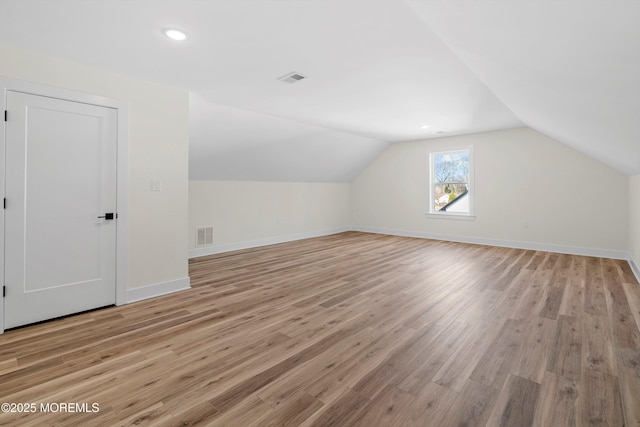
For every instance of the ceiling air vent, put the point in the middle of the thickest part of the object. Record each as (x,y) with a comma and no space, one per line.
(292,77)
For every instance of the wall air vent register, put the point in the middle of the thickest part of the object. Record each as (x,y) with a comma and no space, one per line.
(204,236)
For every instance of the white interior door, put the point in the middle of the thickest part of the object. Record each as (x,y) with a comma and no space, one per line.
(60,257)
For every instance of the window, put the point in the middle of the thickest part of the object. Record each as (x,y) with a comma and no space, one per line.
(450,183)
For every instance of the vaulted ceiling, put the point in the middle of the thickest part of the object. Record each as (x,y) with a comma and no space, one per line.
(377,72)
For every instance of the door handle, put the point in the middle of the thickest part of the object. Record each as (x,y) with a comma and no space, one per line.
(107,216)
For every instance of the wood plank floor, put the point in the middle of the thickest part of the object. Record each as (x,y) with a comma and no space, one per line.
(353,329)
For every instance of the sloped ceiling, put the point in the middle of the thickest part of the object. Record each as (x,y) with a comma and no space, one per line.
(569,69)
(378,70)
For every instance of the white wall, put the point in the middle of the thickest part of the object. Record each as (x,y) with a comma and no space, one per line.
(249,213)
(566,200)
(634,222)
(158,148)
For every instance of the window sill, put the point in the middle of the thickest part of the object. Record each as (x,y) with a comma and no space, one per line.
(458,217)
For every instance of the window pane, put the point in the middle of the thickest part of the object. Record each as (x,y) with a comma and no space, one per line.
(451,181)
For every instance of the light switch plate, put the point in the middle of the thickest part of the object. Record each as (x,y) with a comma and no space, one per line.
(156,184)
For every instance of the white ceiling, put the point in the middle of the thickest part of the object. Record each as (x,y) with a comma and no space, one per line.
(377,71)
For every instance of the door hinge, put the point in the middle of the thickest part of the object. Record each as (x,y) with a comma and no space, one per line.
(4,203)
(5,115)
(4,291)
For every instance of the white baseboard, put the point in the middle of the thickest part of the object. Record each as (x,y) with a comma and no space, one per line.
(217,249)
(572,250)
(634,268)
(158,289)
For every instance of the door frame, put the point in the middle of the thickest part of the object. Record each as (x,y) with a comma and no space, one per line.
(122,172)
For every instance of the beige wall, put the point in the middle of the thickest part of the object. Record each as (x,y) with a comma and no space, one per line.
(521,177)
(634,220)
(158,148)
(248,213)
(564,198)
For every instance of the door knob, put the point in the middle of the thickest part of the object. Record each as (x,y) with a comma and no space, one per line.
(107,216)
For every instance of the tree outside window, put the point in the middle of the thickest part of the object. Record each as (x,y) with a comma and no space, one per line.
(450,182)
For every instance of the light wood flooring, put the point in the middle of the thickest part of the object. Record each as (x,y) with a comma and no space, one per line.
(346,330)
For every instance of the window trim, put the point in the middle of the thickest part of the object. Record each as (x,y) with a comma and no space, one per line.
(431,213)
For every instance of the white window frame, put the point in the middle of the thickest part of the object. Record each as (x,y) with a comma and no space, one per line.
(431,212)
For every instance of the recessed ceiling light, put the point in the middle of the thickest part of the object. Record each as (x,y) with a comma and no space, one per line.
(175,34)
(425,126)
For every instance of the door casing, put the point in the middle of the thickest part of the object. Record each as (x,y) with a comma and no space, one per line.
(7,84)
